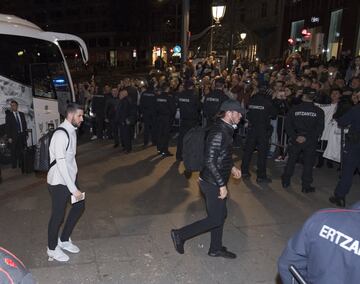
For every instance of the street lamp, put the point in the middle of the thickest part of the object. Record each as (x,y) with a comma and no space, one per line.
(218,9)
(243,36)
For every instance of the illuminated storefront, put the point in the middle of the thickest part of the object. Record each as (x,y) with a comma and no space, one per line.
(159,51)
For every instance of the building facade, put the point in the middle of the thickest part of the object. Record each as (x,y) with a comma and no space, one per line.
(325,28)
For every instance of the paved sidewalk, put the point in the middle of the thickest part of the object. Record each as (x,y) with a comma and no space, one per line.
(132,203)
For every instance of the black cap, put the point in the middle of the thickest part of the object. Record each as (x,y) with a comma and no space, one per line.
(232,105)
(310,93)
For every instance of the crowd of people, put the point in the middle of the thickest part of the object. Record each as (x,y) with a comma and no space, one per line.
(268,92)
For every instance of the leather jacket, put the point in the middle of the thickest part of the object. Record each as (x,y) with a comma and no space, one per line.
(218,154)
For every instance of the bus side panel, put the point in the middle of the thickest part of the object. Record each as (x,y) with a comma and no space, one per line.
(11,90)
(46,111)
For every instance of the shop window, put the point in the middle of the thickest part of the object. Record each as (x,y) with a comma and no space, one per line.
(334,36)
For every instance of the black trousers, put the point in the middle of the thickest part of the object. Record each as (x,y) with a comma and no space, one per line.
(163,133)
(116,132)
(256,138)
(309,155)
(149,128)
(351,161)
(125,135)
(100,126)
(60,196)
(214,222)
(17,149)
(185,126)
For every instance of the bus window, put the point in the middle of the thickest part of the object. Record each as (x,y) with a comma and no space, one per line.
(17,53)
(42,81)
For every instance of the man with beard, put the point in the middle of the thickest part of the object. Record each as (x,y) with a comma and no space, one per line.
(62,185)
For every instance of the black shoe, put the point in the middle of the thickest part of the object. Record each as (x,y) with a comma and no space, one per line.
(338,201)
(263,180)
(308,189)
(178,242)
(222,253)
(285,184)
(245,175)
(166,154)
(116,145)
(187,174)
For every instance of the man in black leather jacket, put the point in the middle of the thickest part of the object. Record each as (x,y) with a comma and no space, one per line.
(218,165)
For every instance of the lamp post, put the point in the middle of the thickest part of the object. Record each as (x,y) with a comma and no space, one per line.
(231,40)
(218,9)
(185,29)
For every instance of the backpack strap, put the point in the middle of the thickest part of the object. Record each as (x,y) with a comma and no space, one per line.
(68,144)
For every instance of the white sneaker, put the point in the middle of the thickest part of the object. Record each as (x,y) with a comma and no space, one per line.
(69,246)
(57,254)
(93,138)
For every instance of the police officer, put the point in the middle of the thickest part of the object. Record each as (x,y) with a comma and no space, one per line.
(189,105)
(165,111)
(326,249)
(213,101)
(304,124)
(261,110)
(351,154)
(147,110)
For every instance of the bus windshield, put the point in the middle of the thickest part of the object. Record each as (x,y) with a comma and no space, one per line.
(36,63)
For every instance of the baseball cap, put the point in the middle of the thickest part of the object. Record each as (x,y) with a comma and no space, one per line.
(232,105)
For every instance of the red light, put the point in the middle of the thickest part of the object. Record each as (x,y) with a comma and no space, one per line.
(304,32)
(10,262)
(291,41)
(307,36)
(171,50)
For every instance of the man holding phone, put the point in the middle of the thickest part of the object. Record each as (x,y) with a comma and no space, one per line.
(61,180)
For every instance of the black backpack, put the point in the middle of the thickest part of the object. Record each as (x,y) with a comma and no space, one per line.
(42,154)
(194,149)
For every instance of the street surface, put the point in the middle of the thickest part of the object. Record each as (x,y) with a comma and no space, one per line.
(132,203)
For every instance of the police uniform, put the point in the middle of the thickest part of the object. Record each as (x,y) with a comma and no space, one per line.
(212,103)
(326,250)
(351,154)
(165,109)
(305,120)
(147,109)
(261,110)
(188,104)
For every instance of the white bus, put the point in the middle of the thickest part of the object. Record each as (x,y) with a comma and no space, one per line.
(34,72)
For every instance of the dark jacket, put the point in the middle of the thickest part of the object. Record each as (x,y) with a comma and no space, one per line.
(189,105)
(165,105)
(351,119)
(125,113)
(148,102)
(98,105)
(11,124)
(213,102)
(306,120)
(326,249)
(261,110)
(218,154)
